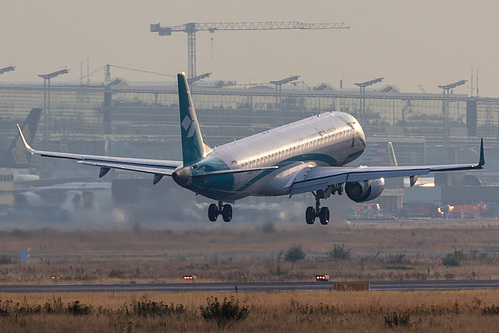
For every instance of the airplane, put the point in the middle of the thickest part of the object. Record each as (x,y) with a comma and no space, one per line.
(15,161)
(305,156)
(26,197)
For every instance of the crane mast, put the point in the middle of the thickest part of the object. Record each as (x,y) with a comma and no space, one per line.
(192,28)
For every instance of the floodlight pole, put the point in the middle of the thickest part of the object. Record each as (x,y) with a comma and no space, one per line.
(47,118)
(278,89)
(445,109)
(363,86)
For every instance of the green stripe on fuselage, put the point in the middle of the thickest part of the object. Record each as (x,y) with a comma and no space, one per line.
(300,158)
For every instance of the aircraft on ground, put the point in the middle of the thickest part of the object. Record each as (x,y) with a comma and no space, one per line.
(305,156)
(23,195)
(16,157)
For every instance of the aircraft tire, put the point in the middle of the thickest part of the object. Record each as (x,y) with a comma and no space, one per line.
(324,215)
(213,212)
(227,213)
(310,215)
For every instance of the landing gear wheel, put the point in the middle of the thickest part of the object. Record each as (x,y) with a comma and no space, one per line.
(227,213)
(340,189)
(213,212)
(324,215)
(310,215)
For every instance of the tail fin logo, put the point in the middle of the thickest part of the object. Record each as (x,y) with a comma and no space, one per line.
(188,124)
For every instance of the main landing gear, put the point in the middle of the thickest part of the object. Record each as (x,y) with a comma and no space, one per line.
(322,213)
(225,210)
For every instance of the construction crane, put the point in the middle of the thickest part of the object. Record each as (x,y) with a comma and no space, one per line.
(7,69)
(192,28)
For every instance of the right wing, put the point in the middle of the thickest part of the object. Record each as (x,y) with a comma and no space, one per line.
(312,179)
(159,168)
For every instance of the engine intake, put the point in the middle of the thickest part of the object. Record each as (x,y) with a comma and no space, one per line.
(365,190)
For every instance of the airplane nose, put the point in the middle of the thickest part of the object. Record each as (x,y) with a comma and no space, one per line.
(182,176)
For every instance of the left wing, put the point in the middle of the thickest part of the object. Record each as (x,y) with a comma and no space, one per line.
(159,168)
(320,178)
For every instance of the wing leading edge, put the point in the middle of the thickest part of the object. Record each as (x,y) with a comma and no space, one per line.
(320,178)
(159,168)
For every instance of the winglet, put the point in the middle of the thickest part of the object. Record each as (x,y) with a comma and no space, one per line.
(481,162)
(28,147)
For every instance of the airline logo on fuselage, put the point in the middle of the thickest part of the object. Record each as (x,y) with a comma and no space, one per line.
(325,131)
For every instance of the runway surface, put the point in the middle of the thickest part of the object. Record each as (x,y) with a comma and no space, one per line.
(241,287)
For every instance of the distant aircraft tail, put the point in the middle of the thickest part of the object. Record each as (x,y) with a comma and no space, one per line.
(193,147)
(17,157)
(380,154)
(393,158)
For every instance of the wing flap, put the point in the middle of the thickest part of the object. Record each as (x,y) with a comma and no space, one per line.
(129,167)
(310,185)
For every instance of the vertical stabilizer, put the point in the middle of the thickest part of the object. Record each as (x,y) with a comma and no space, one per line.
(17,157)
(393,158)
(380,154)
(193,147)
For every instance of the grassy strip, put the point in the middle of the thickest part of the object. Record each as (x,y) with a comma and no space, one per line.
(427,311)
(437,236)
(254,269)
(398,251)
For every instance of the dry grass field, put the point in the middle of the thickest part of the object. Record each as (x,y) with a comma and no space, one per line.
(424,311)
(425,236)
(402,250)
(379,251)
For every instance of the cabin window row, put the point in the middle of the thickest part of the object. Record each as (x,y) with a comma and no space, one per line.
(301,146)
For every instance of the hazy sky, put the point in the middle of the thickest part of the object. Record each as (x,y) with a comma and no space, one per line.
(410,43)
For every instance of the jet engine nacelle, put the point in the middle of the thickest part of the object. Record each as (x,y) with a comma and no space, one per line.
(365,190)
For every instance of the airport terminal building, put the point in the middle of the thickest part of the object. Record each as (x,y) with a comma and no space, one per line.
(141,119)
(121,107)
(84,117)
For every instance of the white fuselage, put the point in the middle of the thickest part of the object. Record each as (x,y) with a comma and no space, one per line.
(328,139)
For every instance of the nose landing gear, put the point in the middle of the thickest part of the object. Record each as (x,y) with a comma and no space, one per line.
(225,210)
